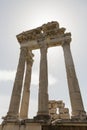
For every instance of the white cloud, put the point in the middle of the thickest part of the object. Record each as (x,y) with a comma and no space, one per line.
(52,80)
(35,79)
(7,75)
(33,107)
(4,104)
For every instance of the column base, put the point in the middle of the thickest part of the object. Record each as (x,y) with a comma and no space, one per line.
(44,118)
(10,118)
(79,115)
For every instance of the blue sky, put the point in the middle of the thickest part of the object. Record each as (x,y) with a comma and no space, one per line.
(22,15)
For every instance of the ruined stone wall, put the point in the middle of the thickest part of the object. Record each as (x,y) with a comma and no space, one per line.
(57,110)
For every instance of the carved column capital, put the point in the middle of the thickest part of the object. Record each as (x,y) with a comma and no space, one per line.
(66,42)
(29,58)
(24,51)
(43,47)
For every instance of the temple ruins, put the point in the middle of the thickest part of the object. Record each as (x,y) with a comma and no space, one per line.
(42,38)
(57,110)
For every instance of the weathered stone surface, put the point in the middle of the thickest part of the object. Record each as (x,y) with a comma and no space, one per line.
(37,126)
(13,112)
(50,32)
(66,127)
(52,111)
(33,126)
(26,92)
(28,126)
(73,85)
(60,104)
(63,110)
(62,113)
(43,83)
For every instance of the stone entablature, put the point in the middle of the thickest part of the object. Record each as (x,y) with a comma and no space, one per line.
(50,32)
(57,110)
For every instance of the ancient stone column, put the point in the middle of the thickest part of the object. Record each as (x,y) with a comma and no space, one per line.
(74,90)
(43,112)
(16,93)
(26,91)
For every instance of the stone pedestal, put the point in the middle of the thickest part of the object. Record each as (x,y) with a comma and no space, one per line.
(19,126)
(74,90)
(39,126)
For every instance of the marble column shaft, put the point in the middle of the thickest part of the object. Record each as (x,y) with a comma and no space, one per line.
(16,93)
(74,90)
(43,82)
(26,91)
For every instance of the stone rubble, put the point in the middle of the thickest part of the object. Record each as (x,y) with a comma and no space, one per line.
(57,110)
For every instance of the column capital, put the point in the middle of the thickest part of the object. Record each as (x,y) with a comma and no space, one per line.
(42,43)
(24,48)
(24,51)
(43,47)
(29,57)
(66,42)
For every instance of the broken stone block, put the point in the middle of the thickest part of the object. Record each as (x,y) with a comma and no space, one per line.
(63,110)
(64,116)
(52,111)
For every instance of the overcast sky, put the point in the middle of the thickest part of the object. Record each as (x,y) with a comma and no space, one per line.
(17,16)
